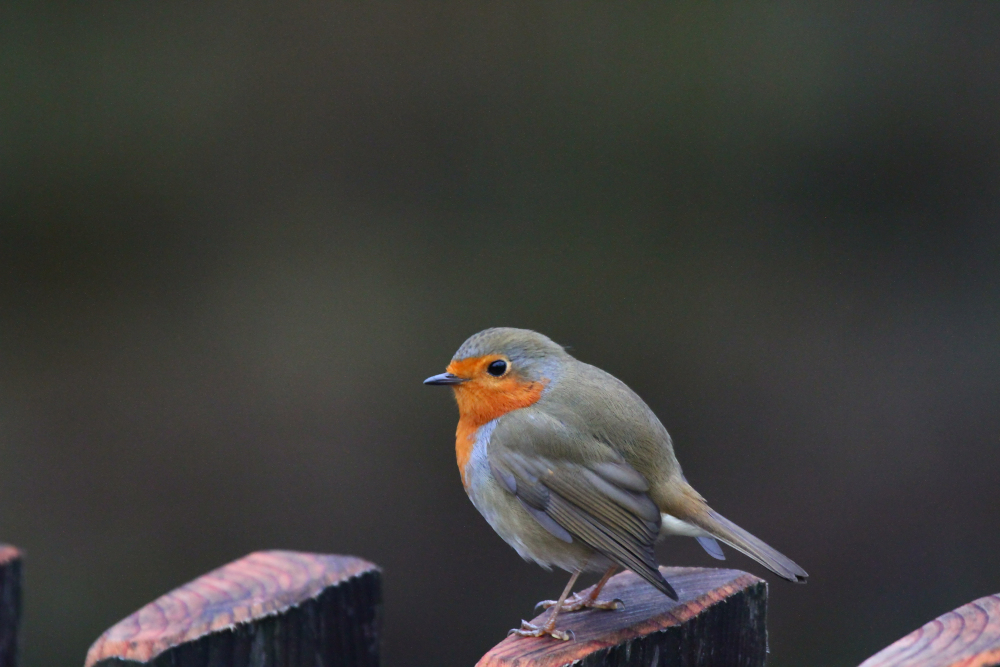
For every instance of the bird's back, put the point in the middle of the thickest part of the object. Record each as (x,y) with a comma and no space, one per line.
(600,406)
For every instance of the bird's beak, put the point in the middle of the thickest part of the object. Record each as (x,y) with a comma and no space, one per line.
(444,378)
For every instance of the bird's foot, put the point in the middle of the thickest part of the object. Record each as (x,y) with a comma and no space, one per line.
(529,630)
(578,602)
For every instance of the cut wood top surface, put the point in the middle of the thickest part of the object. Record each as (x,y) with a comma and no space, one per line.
(8,553)
(968,636)
(263,583)
(646,611)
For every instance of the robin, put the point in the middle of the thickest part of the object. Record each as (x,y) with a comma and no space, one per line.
(573,469)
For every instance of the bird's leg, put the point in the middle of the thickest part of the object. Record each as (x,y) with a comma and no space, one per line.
(549,627)
(577,602)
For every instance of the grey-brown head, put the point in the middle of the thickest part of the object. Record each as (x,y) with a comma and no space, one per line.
(505,352)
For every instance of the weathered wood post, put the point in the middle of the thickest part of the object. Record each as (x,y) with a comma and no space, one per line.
(271,608)
(720,620)
(289,609)
(10,603)
(968,637)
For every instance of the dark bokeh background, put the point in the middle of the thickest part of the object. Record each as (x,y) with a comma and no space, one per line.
(234,239)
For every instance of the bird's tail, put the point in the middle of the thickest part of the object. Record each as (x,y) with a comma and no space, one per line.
(726,531)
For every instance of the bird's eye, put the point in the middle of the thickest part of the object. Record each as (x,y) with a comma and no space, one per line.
(497,368)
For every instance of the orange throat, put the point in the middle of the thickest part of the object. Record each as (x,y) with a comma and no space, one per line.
(480,401)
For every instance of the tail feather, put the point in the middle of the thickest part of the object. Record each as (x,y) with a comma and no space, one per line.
(728,532)
(711,547)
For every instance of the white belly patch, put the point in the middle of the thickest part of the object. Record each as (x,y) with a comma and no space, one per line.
(671,525)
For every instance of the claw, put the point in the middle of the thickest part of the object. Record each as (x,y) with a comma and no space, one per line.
(576,603)
(515,631)
(529,630)
(563,635)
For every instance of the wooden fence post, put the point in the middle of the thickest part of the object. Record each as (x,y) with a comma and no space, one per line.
(10,603)
(274,608)
(719,620)
(968,636)
(289,609)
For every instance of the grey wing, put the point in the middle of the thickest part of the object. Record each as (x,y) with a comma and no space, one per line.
(602,504)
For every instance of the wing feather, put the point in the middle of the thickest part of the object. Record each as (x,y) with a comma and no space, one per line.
(603,503)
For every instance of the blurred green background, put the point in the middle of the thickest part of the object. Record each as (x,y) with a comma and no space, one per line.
(234,238)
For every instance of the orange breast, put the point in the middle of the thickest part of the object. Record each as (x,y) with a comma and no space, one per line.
(480,401)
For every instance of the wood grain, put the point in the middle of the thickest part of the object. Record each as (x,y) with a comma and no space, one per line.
(271,607)
(10,603)
(967,637)
(720,619)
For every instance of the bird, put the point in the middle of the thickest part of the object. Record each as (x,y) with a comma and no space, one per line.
(573,470)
